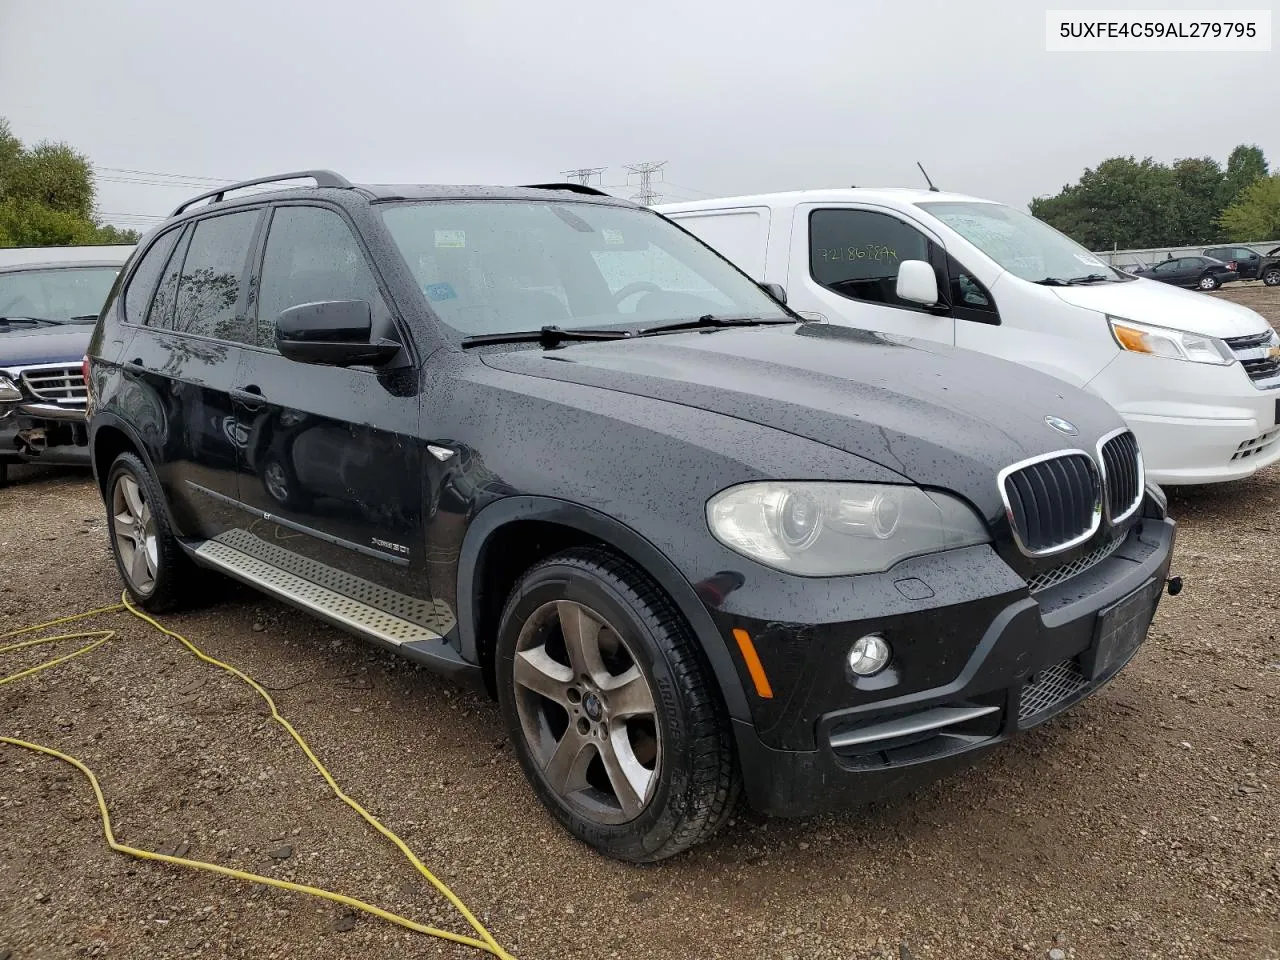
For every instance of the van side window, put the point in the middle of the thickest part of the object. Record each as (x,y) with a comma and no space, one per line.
(143,282)
(970,300)
(856,253)
(208,298)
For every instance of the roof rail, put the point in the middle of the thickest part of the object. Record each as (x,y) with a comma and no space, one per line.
(323,178)
(573,187)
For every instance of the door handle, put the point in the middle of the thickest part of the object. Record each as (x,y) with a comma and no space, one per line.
(250,397)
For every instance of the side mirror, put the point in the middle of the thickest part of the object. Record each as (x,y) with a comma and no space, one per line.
(333,333)
(917,283)
(775,290)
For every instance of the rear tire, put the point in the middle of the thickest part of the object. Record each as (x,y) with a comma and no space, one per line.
(1209,282)
(611,709)
(155,571)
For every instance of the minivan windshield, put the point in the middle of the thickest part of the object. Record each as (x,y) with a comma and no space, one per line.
(1026,247)
(57,295)
(502,266)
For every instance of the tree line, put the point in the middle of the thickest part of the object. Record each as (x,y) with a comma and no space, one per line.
(47,196)
(1125,203)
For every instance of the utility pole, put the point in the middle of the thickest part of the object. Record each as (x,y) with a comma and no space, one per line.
(647,173)
(583,175)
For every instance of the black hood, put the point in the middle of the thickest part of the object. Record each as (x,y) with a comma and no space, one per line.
(22,345)
(939,416)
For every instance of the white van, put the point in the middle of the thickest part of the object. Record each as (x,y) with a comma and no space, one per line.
(1196,378)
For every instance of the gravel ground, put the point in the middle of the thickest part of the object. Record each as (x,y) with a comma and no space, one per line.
(1143,824)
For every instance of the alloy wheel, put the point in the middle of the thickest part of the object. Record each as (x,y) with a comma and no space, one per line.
(587,712)
(277,481)
(1271,278)
(1208,283)
(135,530)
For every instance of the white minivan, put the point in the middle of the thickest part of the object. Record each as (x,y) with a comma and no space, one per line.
(1196,378)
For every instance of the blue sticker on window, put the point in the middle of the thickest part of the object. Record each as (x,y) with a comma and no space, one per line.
(440,291)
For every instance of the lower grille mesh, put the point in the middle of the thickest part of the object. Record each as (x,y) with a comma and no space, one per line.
(1064,572)
(1052,685)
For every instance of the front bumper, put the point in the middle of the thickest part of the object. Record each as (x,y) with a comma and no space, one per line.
(39,439)
(1195,423)
(1034,656)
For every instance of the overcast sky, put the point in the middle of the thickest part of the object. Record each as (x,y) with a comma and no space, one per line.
(737,95)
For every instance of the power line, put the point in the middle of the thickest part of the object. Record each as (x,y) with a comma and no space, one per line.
(646,173)
(156,173)
(688,189)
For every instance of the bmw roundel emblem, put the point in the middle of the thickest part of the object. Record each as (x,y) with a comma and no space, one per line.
(1062,426)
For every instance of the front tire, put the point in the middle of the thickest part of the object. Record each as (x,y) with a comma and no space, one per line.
(611,710)
(1209,282)
(1272,277)
(157,574)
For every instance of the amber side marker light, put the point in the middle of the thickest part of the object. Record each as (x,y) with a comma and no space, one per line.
(754,666)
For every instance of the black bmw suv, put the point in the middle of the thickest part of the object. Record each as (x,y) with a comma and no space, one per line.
(543,438)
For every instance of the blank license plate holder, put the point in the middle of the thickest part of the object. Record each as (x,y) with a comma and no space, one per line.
(1120,629)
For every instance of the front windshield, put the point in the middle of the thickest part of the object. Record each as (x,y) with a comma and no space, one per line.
(502,266)
(57,295)
(1026,247)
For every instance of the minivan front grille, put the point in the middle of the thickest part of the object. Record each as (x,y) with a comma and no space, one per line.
(1053,502)
(1259,355)
(1121,475)
(63,385)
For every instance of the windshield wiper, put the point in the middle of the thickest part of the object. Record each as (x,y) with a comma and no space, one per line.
(712,320)
(1059,282)
(35,321)
(83,318)
(548,336)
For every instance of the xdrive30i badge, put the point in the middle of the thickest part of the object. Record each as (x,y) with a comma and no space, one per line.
(1062,426)
(388,545)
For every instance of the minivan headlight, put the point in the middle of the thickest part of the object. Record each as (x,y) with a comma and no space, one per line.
(1165,342)
(9,391)
(816,529)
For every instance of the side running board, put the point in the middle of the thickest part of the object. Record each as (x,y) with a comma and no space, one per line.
(344,600)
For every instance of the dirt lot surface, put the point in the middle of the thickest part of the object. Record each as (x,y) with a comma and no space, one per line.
(1145,823)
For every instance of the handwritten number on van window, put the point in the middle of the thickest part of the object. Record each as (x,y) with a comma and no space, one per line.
(871,251)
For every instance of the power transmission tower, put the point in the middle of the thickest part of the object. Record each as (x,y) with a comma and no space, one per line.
(647,173)
(583,175)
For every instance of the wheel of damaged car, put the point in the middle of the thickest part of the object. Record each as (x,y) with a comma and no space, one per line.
(611,708)
(157,574)
(1272,277)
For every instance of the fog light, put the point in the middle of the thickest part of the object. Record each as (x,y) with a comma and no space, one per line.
(869,655)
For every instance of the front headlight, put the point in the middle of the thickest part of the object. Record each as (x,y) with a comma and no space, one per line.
(1165,342)
(9,391)
(815,529)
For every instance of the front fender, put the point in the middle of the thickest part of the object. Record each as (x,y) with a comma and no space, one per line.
(624,539)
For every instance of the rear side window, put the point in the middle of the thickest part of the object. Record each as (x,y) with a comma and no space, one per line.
(212,279)
(311,256)
(856,253)
(143,282)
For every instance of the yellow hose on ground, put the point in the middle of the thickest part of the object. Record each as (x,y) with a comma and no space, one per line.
(486,942)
